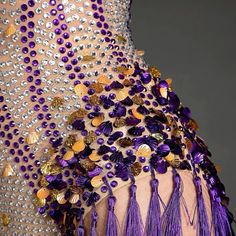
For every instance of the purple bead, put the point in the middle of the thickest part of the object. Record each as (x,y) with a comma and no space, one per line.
(95,15)
(110,174)
(31,3)
(56,22)
(114,183)
(31,24)
(53,12)
(24,7)
(23,29)
(52,2)
(60,7)
(31,44)
(63,26)
(23,18)
(61,16)
(146,168)
(30,14)
(104,189)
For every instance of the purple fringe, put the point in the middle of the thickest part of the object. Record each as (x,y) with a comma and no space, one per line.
(219,216)
(171,218)
(111,228)
(93,221)
(203,225)
(153,222)
(133,221)
(80,229)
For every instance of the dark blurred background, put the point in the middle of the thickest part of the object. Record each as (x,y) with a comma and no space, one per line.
(194,43)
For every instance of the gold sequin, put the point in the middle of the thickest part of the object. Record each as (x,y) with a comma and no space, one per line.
(80,90)
(32,138)
(87,164)
(170,157)
(121,69)
(125,142)
(169,82)
(96,121)
(96,181)
(119,122)
(57,102)
(68,155)
(10,30)
(157,136)
(140,52)
(8,171)
(98,88)
(79,145)
(74,198)
(154,72)
(136,114)
(50,168)
(43,193)
(44,182)
(121,39)
(127,82)
(103,79)
(163,92)
(193,124)
(70,140)
(94,156)
(136,168)
(61,198)
(5,219)
(129,71)
(91,137)
(95,100)
(144,150)
(121,94)
(80,113)
(40,202)
(137,99)
(88,58)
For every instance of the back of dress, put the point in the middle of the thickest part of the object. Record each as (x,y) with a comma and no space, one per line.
(82,114)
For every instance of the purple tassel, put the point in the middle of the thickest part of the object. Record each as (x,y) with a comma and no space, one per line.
(153,222)
(219,216)
(111,228)
(80,229)
(133,222)
(203,225)
(171,219)
(93,222)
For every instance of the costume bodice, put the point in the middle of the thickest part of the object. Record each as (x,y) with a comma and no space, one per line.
(81,113)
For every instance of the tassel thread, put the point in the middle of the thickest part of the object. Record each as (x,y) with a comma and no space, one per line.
(203,223)
(133,222)
(219,216)
(171,219)
(111,227)
(153,222)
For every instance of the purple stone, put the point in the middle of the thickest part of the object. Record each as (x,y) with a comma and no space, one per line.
(30,14)
(24,7)
(114,183)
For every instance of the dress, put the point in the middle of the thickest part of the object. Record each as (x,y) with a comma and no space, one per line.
(83,114)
